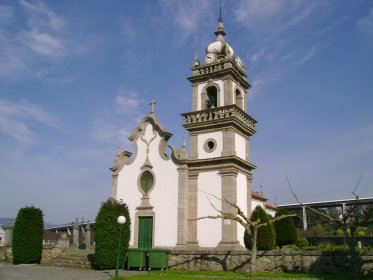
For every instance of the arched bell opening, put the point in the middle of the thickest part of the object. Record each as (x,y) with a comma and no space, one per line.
(212,97)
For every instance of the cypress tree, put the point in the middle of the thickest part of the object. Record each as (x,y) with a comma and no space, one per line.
(107,233)
(27,243)
(285,229)
(266,234)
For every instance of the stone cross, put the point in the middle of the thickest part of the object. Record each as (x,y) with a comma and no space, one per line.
(152,103)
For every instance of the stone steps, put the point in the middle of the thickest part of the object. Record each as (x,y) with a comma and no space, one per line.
(74,260)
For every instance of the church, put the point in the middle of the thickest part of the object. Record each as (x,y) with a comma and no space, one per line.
(167,188)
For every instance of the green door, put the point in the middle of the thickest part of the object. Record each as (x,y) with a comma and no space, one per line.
(145,232)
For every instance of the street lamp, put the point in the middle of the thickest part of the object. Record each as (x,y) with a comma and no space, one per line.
(121,220)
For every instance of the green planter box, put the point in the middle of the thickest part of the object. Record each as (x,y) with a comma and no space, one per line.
(158,258)
(136,258)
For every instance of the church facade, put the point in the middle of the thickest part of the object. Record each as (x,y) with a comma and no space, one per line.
(166,188)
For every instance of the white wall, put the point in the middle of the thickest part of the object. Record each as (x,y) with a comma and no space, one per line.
(163,197)
(242,203)
(240,144)
(255,203)
(209,231)
(218,137)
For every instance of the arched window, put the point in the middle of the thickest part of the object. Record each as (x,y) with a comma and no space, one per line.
(239,99)
(212,95)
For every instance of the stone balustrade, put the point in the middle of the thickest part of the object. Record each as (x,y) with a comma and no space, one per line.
(225,112)
(211,68)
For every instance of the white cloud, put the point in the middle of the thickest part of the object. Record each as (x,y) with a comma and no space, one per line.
(114,125)
(42,43)
(41,16)
(127,103)
(365,24)
(272,16)
(15,119)
(310,53)
(26,41)
(189,15)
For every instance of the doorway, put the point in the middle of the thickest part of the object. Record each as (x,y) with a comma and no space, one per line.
(145,240)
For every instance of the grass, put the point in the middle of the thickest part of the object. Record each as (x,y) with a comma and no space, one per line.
(188,275)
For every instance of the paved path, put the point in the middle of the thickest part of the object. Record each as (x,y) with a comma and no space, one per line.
(40,272)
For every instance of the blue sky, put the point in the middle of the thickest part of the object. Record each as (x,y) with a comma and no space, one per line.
(77,76)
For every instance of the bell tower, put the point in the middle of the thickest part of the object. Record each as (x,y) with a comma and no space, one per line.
(220,129)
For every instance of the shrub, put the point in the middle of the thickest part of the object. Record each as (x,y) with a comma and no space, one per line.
(27,243)
(286,232)
(247,239)
(107,233)
(266,237)
(301,242)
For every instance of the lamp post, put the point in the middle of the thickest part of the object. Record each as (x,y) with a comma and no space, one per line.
(121,220)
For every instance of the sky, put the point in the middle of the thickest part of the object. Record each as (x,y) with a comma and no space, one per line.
(76,77)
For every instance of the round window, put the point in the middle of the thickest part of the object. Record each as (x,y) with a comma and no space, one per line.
(210,145)
(146,181)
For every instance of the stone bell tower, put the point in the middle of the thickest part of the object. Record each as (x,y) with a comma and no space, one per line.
(220,129)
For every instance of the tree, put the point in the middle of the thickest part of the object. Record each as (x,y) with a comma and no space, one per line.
(286,232)
(107,233)
(354,217)
(251,227)
(27,243)
(266,234)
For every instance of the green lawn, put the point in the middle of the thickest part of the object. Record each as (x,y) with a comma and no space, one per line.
(188,275)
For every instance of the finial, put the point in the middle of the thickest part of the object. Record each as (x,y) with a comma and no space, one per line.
(261,190)
(220,30)
(196,61)
(275,201)
(152,103)
(118,150)
(220,18)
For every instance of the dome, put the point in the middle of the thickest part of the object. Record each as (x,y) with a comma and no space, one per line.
(220,48)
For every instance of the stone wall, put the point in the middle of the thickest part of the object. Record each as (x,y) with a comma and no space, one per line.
(49,253)
(296,261)
(6,254)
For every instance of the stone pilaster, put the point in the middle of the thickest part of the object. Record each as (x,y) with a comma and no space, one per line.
(192,209)
(182,211)
(229,147)
(114,186)
(248,149)
(194,97)
(229,192)
(249,182)
(193,146)
(228,92)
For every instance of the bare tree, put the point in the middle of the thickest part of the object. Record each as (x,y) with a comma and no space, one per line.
(353,217)
(251,227)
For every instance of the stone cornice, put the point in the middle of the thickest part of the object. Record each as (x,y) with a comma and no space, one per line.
(219,69)
(220,164)
(220,117)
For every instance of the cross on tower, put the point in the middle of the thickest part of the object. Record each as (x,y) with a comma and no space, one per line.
(152,103)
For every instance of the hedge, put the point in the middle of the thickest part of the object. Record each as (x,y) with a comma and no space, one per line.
(107,233)
(27,243)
